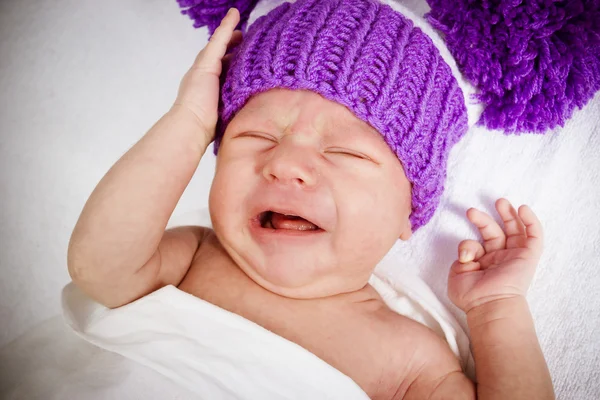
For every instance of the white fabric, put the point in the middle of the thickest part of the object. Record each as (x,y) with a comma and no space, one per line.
(557,174)
(171,344)
(220,355)
(50,362)
(206,349)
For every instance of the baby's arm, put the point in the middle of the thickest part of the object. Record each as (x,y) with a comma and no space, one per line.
(489,282)
(508,358)
(119,250)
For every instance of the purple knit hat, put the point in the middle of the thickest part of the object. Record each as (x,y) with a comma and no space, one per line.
(391,69)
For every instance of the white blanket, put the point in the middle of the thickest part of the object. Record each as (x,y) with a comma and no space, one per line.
(205,349)
(178,344)
(557,174)
(50,362)
(171,344)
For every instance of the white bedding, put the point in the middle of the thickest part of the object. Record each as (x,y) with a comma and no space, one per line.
(170,344)
(557,174)
(50,362)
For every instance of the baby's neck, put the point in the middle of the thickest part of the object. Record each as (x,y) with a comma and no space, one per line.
(333,288)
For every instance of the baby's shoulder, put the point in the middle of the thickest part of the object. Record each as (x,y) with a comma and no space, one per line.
(434,367)
(410,333)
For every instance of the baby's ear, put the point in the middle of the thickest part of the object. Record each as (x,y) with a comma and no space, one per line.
(406,231)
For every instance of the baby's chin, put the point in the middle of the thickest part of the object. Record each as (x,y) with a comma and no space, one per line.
(301,277)
(294,266)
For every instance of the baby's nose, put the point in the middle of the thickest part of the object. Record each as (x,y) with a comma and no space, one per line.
(291,164)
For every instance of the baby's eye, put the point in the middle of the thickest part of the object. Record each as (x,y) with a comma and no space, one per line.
(348,152)
(257,135)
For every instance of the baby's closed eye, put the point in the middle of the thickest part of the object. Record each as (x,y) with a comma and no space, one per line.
(347,152)
(257,135)
(333,150)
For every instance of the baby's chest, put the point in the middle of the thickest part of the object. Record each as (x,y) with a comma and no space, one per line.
(389,356)
(380,350)
(382,363)
(355,346)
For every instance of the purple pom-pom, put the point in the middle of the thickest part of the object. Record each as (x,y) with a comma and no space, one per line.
(533,61)
(210,13)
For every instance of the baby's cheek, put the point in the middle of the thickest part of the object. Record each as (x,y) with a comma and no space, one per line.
(382,218)
(368,238)
(226,191)
(364,251)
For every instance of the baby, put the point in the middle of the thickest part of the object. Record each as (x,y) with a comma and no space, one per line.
(306,200)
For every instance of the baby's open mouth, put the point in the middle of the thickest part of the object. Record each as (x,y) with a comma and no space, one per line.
(275,220)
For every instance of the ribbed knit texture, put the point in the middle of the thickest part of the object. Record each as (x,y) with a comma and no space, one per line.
(366,56)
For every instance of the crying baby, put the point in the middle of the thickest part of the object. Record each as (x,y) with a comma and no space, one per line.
(310,192)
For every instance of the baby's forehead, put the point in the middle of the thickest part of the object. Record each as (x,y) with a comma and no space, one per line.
(277,109)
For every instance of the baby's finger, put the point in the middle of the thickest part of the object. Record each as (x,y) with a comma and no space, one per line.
(236,39)
(470,250)
(460,268)
(492,234)
(217,44)
(513,226)
(533,227)
(226,61)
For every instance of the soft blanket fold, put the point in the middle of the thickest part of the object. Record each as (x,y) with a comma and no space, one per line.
(220,355)
(207,350)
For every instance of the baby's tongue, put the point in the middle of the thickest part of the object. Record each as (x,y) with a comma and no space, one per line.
(280,221)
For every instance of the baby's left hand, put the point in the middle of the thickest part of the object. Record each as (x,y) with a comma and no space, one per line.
(504,265)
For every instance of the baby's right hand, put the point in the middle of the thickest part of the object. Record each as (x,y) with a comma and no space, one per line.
(200,87)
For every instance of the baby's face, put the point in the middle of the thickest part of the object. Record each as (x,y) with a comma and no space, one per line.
(307,198)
